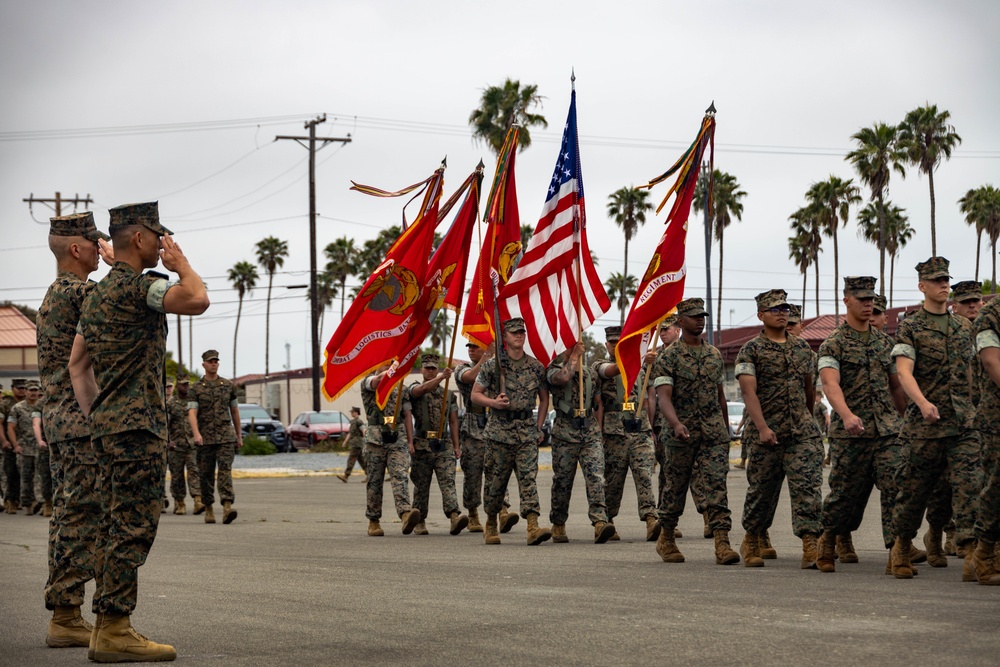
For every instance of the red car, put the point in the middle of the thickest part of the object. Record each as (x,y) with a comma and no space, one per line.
(311,427)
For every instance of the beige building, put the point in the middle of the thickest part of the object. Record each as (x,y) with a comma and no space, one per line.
(18,346)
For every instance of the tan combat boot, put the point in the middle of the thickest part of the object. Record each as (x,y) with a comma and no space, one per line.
(93,636)
(47,508)
(536,535)
(228,513)
(845,549)
(935,552)
(917,555)
(810,552)
(458,522)
(375,528)
(209,514)
(8,507)
(180,507)
(667,549)
(678,534)
(474,525)
(707,533)
(420,528)
(117,641)
(950,548)
(984,563)
(750,550)
(724,554)
(198,506)
(491,534)
(559,533)
(67,628)
(507,520)
(343,478)
(899,558)
(603,532)
(652,528)
(616,537)
(767,552)
(827,552)
(410,520)
(968,573)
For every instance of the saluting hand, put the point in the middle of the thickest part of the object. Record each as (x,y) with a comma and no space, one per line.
(106,251)
(171,255)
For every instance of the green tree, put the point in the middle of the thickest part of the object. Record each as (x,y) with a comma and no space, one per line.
(976,206)
(440,332)
(927,138)
(897,232)
(832,200)
(326,292)
(342,257)
(876,156)
(502,106)
(271,254)
(244,277)
(621,288)
(727,203)
(628,206)
(805,245)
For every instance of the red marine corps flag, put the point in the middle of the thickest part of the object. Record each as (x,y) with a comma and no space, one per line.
(499,250)
(444,284)
(378,323)
(662,286)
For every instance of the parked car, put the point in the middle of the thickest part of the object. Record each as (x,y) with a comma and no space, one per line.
(258,421)
(735,417)
(546,426)
(311,427)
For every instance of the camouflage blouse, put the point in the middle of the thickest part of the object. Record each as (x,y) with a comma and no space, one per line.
(987,331)
(612,393)
(23,416)
(525,377)
(565,399)
(213,400)
(695,373)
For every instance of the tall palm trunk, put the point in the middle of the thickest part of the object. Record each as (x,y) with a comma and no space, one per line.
(718,312)
(805,274)
(881,245)
(816,265)
(994,278)
(343,295)
(930,182)
(836,274)
(979,247)
(892,275)
(621,299)
(236,332)
(267,327)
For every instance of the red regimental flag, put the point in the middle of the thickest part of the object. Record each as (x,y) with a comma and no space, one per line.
(500,248)
(378,323)
(662,286)
(444,286)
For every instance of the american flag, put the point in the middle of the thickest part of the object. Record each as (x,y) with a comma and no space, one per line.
(544,289)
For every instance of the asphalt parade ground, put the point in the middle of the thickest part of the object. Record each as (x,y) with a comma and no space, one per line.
(295,580)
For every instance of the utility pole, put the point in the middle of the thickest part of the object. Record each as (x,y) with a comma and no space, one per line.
(313,315)
(56,203)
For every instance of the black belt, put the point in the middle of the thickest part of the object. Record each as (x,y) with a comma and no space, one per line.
(476,409)
(512,415)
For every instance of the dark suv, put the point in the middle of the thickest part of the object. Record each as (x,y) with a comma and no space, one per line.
(256,420)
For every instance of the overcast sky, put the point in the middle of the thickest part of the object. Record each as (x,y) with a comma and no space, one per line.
(792,81)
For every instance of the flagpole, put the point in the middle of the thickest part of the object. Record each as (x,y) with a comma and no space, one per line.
(581,412)
(645,378)
(451,357)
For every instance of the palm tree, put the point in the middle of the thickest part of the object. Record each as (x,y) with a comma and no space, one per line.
(833,199)
(502,106)
(342,257)
(727,203)
(271,254)
(805,245)
(371,254)
(628,207)
(621,288)
(976,207)
(897,232)
(440,332)
(877,155)
(927,138)
(244,277)
(326,292)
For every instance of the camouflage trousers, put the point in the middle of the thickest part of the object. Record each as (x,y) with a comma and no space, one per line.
(939,514)
(473,458)
(179,460)
(26,468)
(702,464)
(856,465)
(392,458)
(565,457)
(631,451)
(501,460)
(767,466)
(988,512)
(43,475)
(956,458)
(357,455)
(11,475)
(660,450)
(212,458)
(130,472)
(424,466)
(75,522)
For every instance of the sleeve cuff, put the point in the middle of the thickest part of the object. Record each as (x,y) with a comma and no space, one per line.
(154,297)
(192,405)
(828,362)
(234,403)
(745,368)
(988,338)
(663,381)
(904,350)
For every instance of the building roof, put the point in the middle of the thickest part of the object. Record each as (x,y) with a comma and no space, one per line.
(16,330)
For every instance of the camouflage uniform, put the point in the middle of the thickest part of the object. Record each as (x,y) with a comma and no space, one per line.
(426,463)
(576,444)
(383,455)
(624,451)
(512,435)
(212,401)
(987,330)
(357,454)
(473,443)
(125,328)
(782,369)
(819,414)
(22,417)
(948,447)
(695,373)
(864,367)
(11,472)
(73,530)
(183,455)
